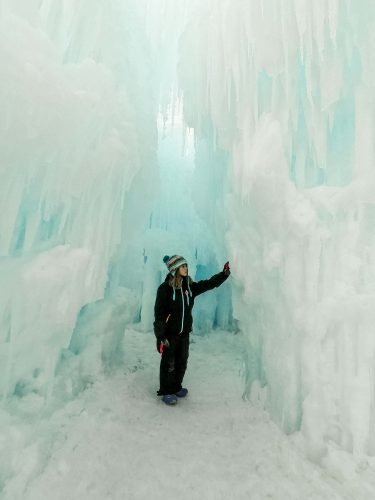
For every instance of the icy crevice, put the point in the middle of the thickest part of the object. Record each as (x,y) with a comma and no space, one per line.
(279,94)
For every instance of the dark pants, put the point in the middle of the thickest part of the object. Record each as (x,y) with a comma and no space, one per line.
(173,364)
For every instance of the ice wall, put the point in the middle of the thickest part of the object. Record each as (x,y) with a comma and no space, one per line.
(77,134)
(86,216)
(284,89)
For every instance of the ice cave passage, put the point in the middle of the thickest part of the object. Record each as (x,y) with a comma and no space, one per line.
(216,130)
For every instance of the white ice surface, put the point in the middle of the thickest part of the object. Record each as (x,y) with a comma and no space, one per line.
(283,90)
(118,441)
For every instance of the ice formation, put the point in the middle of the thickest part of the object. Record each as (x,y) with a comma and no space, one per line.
(279,96)
(78,133)
(285,89)
(85,214)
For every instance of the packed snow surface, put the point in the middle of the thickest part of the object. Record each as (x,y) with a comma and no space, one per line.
(119,441)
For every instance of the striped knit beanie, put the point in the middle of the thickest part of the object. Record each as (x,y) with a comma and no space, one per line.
(174,262)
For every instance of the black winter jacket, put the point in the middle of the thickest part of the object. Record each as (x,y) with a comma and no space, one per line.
(173,306)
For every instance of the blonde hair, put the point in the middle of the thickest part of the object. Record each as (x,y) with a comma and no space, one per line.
(176,282)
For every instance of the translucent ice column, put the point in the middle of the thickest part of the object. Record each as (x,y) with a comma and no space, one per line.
(285,89)
(77,133)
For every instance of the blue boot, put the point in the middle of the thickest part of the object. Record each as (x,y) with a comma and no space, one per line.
(182,392)
(169,399)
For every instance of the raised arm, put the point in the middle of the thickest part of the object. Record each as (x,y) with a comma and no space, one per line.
(216,280)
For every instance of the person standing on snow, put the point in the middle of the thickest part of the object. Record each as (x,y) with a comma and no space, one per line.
(173,322)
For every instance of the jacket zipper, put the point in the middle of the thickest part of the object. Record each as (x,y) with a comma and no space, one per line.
(183,310)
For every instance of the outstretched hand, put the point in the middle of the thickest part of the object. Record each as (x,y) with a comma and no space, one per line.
(226,269)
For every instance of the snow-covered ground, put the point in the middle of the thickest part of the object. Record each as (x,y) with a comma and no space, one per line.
(119,441)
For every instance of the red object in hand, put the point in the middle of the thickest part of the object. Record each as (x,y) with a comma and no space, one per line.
(160,344)
(226,268)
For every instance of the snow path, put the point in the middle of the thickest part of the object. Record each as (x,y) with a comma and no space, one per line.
(118,441)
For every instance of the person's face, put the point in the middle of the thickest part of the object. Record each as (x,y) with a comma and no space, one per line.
(183,270)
